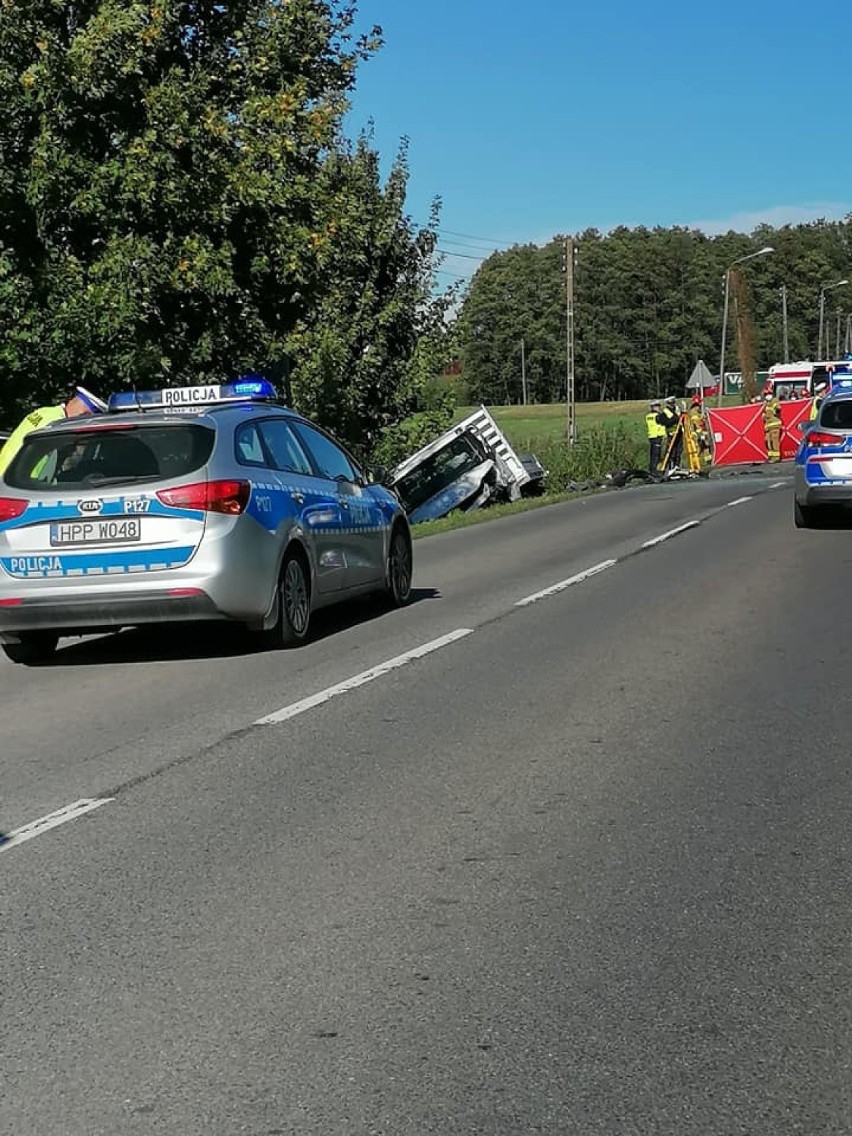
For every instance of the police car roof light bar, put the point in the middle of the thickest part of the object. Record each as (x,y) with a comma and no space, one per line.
(192,398)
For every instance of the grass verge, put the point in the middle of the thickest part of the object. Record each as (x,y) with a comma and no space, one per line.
(459,520)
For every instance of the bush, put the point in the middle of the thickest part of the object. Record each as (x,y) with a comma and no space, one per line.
(600,449)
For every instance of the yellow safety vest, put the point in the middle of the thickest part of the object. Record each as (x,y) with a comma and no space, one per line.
(33,421)
(655,430)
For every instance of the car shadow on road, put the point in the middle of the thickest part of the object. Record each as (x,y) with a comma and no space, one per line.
(184,642)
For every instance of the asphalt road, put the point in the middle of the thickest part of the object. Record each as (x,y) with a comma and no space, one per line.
(581,868)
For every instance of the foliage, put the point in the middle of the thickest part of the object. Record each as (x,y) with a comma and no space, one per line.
(600,449)
(365,352)
(177,204)
(648,305)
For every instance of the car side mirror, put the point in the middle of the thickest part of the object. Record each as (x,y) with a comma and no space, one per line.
(803,427)
(377,475)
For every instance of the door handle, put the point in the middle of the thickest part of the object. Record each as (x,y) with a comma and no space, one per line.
(299,498)
(344,504)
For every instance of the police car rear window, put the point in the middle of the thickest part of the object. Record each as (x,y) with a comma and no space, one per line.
(837,414)
(123,455)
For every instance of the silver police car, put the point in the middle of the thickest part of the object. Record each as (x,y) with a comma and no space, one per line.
(193,503)
(823,463)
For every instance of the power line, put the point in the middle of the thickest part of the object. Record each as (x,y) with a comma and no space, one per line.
(453,275)
(464,255)
(467,245)
(497,243)
(487,240)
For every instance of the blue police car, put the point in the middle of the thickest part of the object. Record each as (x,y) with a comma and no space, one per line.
(823,464)
(192,503)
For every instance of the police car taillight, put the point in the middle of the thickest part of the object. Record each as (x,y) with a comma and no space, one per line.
(11,507)
(230,497)
(819,438)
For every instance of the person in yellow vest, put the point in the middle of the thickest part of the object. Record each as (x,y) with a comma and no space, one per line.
(772,427)
(670,418)
(81,402)
(656,433)
(820,392)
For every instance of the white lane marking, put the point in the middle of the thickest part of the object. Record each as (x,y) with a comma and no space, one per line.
(672,532)
(778,484)
(53,820)
(554,588)
(360,679)
(739,501)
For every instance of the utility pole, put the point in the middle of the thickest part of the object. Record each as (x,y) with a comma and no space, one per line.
(825,288)
(847,343)
(784,319)
(837,340)
(523,373)
(569,354)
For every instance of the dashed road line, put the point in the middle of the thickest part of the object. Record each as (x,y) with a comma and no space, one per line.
(52,820)
(361,679)
(554,588)
(89,804)
(672,532)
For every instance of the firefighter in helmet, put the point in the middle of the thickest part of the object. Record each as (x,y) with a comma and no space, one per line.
(698,425)
(772,427)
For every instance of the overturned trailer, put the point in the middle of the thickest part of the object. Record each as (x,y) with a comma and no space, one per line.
(470,465)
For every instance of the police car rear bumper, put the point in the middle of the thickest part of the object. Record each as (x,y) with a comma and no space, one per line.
(81,616)
(825,495)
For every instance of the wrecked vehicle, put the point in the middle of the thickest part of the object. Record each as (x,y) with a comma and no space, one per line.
(469,466)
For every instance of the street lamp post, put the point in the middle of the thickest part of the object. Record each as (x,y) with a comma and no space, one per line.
(742,260)
(825,288)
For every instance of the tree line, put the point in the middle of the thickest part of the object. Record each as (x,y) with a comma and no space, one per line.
(178,203)
(648,305)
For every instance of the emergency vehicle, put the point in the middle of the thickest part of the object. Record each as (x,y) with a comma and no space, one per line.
(189,504)
(789,378)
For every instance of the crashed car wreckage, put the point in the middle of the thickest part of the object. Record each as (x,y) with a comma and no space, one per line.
(467,467)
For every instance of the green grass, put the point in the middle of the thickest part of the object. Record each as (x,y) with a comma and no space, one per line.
(529,426)
(459,520)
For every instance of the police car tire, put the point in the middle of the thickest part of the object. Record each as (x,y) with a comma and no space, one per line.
(400,568)
(804,517)
(291,628)
(33,648)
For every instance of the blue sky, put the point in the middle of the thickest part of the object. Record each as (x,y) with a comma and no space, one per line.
(549,116)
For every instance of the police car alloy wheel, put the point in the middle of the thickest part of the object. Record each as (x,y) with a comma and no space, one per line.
(399,568)
(294,604)
(33,648)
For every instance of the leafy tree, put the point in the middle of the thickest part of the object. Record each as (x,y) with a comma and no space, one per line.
(365,352)
(648,305)
(160,167)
